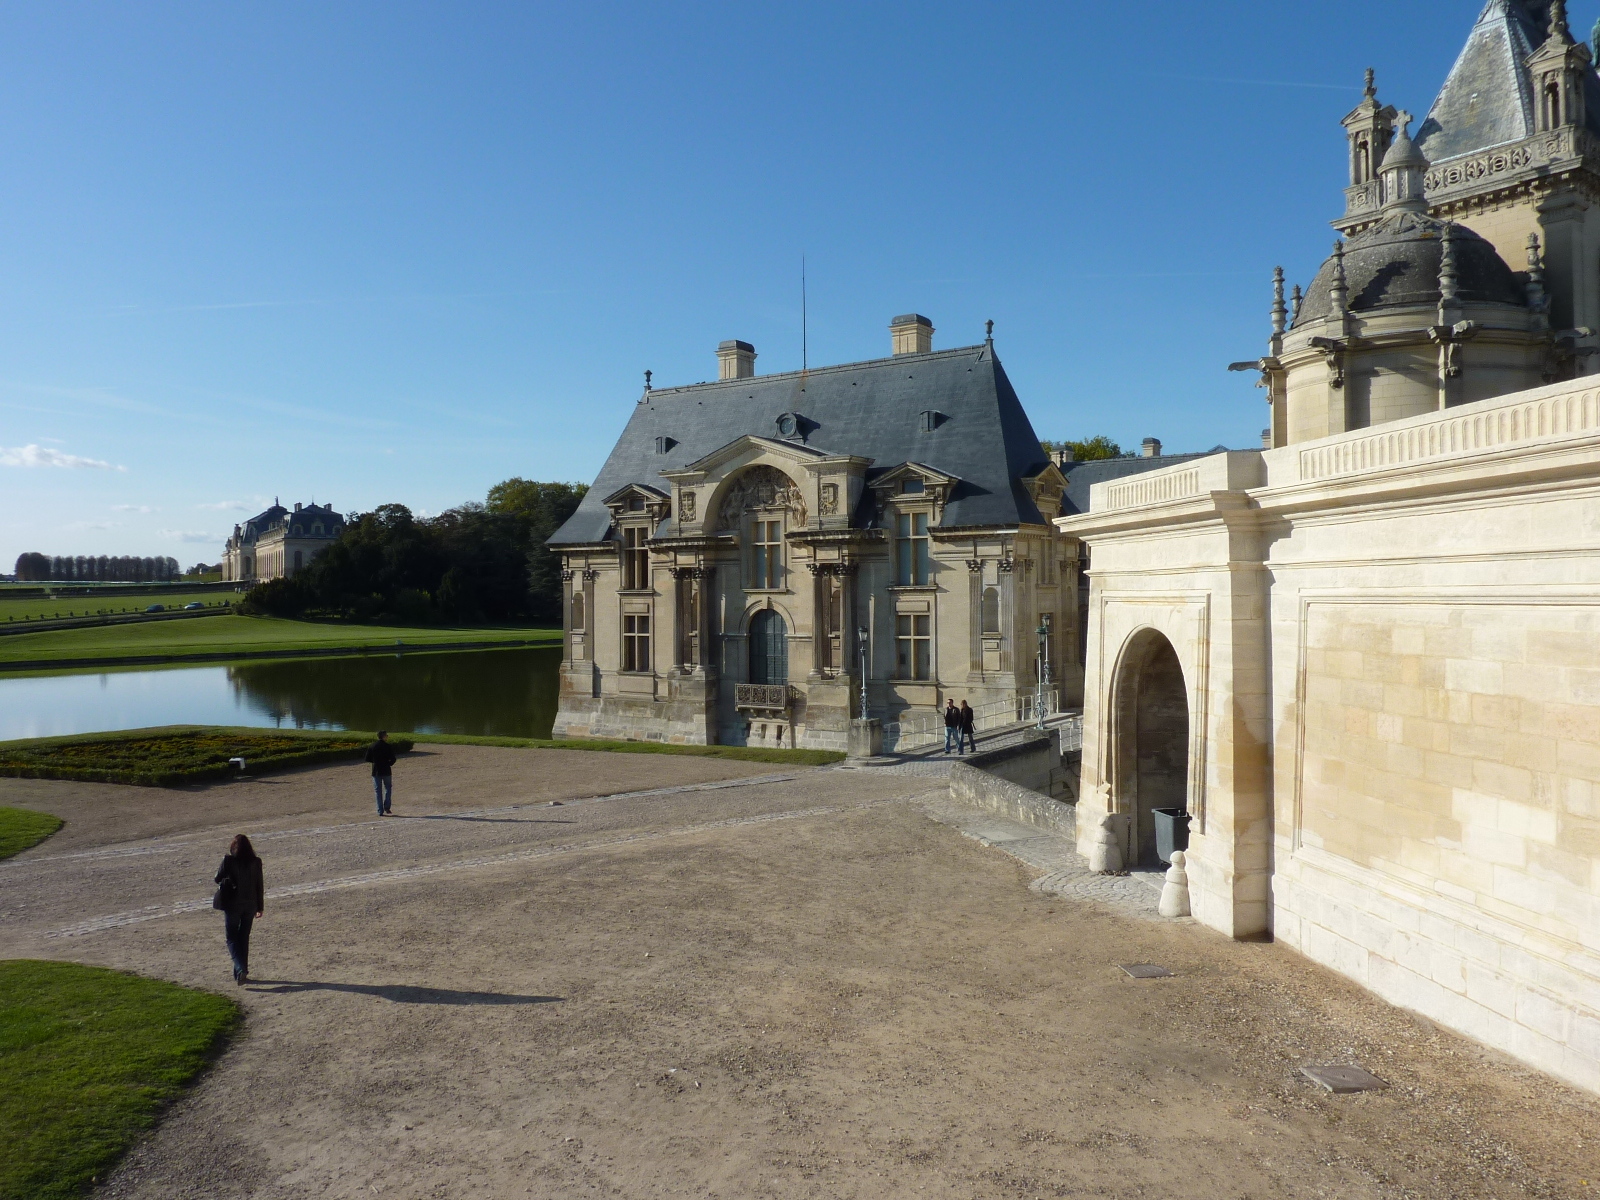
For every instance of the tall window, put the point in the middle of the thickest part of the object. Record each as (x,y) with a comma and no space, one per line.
(635,559)
(298,559)
(766,562)
(636,643)
(577,610)
(913,647)
(911,548)
(991,610)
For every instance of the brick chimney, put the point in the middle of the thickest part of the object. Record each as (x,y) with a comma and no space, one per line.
(735,359)
(913,334)
(1151,448)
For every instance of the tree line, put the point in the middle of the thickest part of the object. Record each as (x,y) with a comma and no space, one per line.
(34,567)
(479,562)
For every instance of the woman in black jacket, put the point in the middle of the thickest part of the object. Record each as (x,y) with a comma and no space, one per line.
(241,895)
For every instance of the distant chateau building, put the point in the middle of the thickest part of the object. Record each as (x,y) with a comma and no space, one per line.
(279,542)
(750,540)
(1366,660)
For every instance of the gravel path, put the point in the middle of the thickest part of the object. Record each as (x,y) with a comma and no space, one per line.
(794,985)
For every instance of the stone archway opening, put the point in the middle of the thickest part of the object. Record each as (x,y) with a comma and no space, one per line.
(1150,740)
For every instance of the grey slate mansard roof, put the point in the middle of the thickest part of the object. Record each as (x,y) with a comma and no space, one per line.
(871,409)
(1487,99)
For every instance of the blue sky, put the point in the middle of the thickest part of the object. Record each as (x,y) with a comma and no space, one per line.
(366,252)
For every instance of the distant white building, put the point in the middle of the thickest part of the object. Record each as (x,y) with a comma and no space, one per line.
(279,542)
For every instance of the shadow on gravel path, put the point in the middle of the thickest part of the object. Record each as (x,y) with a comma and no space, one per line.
(400,993)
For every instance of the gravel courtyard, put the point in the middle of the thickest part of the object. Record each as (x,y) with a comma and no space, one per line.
(720,979)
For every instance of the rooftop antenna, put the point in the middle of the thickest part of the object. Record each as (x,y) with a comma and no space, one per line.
(803,346)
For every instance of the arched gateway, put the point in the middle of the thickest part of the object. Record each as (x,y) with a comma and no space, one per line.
(1149,745)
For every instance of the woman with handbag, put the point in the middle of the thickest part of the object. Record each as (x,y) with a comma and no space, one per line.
(241,895)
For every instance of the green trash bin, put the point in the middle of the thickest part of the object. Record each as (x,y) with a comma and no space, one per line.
(1172,832)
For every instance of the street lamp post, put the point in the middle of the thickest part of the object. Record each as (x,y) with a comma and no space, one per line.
(861,639)
(1043,671)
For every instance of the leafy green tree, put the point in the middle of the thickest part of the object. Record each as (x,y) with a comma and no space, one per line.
(1087,450)
(545,507)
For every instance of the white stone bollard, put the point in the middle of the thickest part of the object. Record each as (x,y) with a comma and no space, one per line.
(1105,848)
(1175,891)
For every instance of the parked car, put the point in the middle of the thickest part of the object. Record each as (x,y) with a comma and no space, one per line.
(193,604)
(157,608)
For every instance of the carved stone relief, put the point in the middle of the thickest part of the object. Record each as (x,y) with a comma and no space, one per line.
(686,505)
(760,487)
(830,499)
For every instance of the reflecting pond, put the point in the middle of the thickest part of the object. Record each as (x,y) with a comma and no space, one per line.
(501,693)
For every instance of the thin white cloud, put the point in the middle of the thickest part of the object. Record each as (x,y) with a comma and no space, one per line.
(35,455)
(226,506)
(138,508)
(95,525)
(189,535)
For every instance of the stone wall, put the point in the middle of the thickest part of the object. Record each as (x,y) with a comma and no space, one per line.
(980,788)
(1390,643)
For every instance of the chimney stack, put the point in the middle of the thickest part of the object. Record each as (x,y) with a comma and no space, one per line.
(735,359)
(1151,447)
(1266,438)
(913,334)
(297,506)
(1062,456)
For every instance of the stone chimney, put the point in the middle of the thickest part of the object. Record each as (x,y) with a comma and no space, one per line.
(913,334)
(297,506)
(1266,438)
(1151,448)
(735,359)
(1061,457)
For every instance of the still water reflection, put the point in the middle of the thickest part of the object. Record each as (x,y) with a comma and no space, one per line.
(503,693)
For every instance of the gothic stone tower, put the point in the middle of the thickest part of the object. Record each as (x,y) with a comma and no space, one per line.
(1512,145)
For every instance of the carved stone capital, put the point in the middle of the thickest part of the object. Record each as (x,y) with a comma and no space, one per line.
(1007,565)
(590,575)
(566,576)
(975,565)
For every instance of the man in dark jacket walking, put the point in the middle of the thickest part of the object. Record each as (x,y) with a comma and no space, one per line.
(381,755)
(952,726)
(969,719)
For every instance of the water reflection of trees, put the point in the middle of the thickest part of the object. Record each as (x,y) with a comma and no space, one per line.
(500,693)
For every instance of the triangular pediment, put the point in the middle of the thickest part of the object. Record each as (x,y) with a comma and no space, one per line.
(747,447)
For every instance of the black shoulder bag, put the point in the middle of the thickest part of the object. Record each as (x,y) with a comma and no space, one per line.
(227,892)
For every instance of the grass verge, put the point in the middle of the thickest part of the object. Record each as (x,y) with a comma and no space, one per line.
(81,755)
(242,636)
(174,756)
(21,828)
(88,1057)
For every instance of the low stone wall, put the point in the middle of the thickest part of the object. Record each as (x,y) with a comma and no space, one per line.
(972,785)
(1034,763)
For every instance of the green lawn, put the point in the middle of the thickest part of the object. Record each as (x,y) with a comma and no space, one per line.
(49,608)
(88,1057)
(240,635)
(21,828)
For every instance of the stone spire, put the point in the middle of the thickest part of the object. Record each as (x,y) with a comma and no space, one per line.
(1538,302)
(1449,278)
(1558,70)
(1280,311)
(1295,300)
(1369,128)
(1339,291)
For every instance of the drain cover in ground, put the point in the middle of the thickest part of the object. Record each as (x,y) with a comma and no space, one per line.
(1344,1079)
(1146,970)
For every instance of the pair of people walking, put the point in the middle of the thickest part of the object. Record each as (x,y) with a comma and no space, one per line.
(958,727)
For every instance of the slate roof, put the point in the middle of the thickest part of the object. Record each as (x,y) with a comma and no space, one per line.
(870,409)
(1487,99)
(1396,264)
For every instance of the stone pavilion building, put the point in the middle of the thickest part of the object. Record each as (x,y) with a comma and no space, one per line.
(279,542)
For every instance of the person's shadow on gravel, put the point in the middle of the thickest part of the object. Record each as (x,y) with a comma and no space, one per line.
(400,993)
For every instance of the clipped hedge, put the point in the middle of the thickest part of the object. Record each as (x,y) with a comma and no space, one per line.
(169,759)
